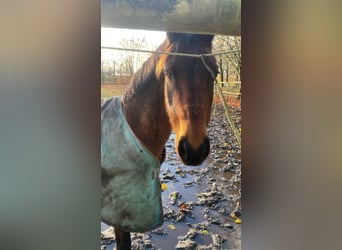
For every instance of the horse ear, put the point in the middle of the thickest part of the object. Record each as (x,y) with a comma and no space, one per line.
(173,36)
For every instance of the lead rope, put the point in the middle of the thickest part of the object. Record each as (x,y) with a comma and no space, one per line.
(229,118)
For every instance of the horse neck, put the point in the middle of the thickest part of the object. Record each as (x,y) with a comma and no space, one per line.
(144,109)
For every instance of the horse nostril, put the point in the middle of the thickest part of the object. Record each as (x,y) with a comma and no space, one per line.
(206,148)
(185,150)
(182,149)
(205,152)
(191,156)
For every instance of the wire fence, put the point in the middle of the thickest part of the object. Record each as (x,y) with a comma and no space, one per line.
(172,53)
(232,88)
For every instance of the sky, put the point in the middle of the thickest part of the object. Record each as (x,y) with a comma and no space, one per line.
(111,37)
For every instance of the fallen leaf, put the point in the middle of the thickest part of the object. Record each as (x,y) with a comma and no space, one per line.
(163,186)
(205,232)
(237,221)
(235,214)
(171,226)
(183,208)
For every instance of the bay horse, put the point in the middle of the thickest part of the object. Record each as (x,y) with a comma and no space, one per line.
(172,93)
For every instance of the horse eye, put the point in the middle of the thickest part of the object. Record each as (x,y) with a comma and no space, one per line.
(168,74)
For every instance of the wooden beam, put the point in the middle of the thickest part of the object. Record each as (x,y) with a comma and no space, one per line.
(187,16)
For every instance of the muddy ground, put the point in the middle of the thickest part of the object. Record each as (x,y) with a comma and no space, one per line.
(198,202)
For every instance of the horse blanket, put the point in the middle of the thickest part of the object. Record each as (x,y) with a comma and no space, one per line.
(131,193)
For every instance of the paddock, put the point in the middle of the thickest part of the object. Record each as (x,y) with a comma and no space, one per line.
(198,202)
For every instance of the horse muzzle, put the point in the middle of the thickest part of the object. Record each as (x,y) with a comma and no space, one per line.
(191,156)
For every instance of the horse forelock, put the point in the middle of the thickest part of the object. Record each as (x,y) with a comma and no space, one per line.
(162,59)
(160,65)
(185,43)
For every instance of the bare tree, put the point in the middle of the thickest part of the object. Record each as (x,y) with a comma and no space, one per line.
(229,64)
(130,61)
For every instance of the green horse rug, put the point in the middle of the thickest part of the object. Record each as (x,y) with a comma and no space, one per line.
(131,193)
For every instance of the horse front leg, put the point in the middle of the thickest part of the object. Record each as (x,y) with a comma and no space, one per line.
(122,239)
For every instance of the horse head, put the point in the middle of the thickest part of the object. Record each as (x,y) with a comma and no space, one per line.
(188,91)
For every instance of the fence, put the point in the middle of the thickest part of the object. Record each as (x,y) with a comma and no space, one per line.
(231,88)
(107,71)
(110,77)
(110,73)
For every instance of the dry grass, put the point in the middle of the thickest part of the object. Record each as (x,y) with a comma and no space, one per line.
(109,90)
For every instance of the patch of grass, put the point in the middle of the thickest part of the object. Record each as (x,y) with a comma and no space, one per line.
(109,90)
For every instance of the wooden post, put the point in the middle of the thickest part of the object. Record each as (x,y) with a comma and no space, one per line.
(188,16)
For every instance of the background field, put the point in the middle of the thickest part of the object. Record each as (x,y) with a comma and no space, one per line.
(110,89)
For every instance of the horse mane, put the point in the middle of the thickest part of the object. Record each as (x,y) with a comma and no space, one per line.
(150,71)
